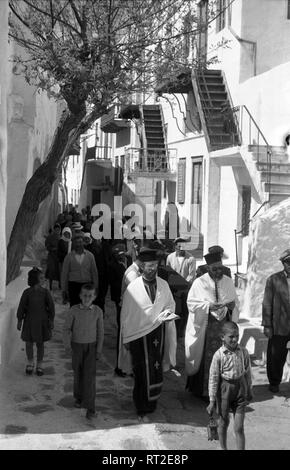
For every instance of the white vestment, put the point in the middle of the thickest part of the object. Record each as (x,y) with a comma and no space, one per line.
(200,295)
(183,265)
(139,317)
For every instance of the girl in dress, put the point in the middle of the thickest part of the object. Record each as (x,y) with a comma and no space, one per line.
(35,316)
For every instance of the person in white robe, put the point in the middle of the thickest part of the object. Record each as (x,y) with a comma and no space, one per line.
(148,335)
(182,261)
(211,301)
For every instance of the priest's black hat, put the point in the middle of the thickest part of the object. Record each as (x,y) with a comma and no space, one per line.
(211,258)
(147,254)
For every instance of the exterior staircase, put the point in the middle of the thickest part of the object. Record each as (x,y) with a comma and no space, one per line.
(153,127)
(217,109)
(227,127)
(278,188)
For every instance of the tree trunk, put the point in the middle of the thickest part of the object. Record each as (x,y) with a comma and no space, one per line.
(38,188)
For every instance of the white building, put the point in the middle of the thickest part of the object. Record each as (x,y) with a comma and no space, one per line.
(211,142)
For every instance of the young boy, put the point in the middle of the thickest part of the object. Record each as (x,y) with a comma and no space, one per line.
(83,337)
(230,384)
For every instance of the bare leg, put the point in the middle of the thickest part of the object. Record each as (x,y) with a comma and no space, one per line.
(239,430)
(222,432)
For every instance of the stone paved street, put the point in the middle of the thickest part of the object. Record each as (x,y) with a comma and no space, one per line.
(38,413)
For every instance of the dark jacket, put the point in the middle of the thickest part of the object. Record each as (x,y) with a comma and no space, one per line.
(116,273)
(276,304)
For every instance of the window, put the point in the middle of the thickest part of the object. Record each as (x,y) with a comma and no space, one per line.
(221,14)
(158,192)
(181,172)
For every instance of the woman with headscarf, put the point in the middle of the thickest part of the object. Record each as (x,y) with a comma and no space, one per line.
(64,246)
(51,244)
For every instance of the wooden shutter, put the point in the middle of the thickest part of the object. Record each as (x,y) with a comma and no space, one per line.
(181,172)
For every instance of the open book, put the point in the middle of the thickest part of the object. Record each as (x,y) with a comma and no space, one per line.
(166,315)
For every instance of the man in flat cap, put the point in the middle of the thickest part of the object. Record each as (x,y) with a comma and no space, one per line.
(211,301)
(276,321)
(182,261)
(148,334)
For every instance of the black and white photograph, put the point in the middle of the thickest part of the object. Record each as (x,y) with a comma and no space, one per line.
(145,227)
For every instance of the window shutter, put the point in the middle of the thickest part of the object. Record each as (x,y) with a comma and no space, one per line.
(181,181)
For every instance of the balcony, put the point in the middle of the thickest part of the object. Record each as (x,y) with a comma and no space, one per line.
(180,83)
(112,122)
(99,153)
(157,163)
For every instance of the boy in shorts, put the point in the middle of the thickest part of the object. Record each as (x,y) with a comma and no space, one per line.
(230,385)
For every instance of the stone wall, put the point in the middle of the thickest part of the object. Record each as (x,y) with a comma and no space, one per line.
(269,236)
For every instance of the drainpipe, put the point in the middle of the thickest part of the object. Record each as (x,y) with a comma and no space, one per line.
(246,41)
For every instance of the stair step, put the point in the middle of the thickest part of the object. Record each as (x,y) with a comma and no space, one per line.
(213,80)
(155,115)
(154,145)
(216,102)
(221,146)
(153,132)
(276,198)
(213,86)
(278,167)
(277,188)
(209,72)
(263,157)
(148,107)
(213,108)
(214,96)
(276,177)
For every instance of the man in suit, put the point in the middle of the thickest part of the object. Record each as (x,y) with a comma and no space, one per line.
(276,321)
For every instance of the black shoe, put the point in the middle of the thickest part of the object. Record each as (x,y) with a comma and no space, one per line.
(78,404)
(39,371)
(29,369)
(90,414)
(120,373)
(274,388)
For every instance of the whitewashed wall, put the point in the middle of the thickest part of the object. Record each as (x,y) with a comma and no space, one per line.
(3,139)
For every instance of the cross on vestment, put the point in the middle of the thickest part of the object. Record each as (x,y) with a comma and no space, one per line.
(156,342)
(156,365)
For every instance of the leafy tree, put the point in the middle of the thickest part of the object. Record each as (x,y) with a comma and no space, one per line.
(90,54)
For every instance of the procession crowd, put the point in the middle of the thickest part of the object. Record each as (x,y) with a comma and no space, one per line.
(159,294)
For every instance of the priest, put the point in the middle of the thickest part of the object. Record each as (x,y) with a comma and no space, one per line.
(148,333)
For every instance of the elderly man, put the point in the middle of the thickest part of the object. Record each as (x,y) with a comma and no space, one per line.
(276,321)
(202,269)
(182,261)
(211,301)
(148,333)
(79,268)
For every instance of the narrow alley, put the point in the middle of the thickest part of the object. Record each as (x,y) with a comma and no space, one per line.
(38,412)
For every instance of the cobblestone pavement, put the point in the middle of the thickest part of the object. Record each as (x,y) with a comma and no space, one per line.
(38,413)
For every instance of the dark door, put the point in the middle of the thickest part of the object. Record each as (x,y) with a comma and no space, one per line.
(96,196)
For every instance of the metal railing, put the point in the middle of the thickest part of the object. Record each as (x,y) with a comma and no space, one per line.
(252,136)
(150,161)
(103,152)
